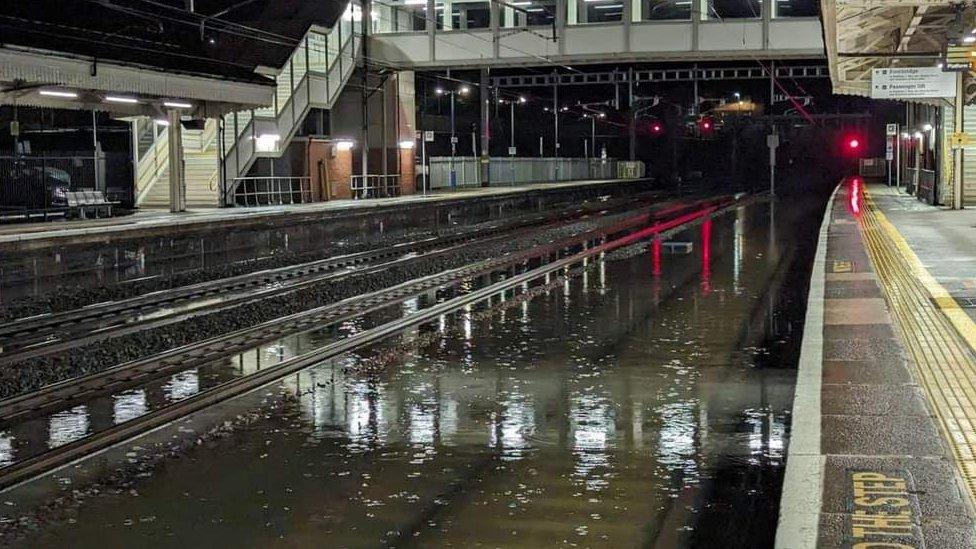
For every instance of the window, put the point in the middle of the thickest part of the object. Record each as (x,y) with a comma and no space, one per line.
(734,9)
(400,15)
(796,8)
(464,14)
(659,10)
(601,11)
(539,12)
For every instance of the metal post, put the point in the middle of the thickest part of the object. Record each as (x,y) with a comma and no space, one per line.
(555,114)
(898,159)
(95,147)
(632,129)
(485,95)
(511,139)
(423,161)
(593,133)
(453,145)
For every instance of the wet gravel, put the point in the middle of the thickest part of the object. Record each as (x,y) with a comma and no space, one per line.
(34,373)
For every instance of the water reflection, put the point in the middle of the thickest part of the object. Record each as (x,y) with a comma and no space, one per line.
(606,414)
(68,426)
(129,405)
(182,385)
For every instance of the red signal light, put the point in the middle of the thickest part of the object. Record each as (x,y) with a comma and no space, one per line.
(656,127)
(854,143)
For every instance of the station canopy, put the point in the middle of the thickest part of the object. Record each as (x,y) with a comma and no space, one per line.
(133,57)
(861,35)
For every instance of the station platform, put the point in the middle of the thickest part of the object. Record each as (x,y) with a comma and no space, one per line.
(152,222)
(883,446)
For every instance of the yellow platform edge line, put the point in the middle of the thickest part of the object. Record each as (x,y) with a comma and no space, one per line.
(961,321)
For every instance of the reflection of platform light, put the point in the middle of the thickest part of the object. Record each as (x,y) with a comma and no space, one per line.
(448,420)
(676,444)
(129,405)
(517,424)
(6,449)
(182,385)
(67,426)
(591,421)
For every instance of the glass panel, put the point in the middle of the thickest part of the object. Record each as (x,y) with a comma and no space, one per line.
(317,55)
(796,8)
(601,11)
(298,62)
(662,10)
(401,15)
(540,12)
(734,9)
(473,15)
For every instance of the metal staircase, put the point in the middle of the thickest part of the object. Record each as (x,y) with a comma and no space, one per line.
(201,168)
(313,77)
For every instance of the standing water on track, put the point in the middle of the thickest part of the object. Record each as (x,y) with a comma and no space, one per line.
(642,403)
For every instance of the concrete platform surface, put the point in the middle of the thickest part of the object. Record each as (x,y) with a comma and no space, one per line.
(876,458)
(149,219)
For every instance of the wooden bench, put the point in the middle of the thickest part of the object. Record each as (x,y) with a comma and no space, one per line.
(85,201)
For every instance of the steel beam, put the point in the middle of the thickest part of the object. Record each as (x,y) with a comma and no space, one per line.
(656,75)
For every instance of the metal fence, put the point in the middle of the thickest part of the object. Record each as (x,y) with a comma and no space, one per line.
(375,186)
(514,170)
(271,191)
(39,184)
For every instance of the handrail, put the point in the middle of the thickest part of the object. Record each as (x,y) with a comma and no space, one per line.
(272,190)
(375,186)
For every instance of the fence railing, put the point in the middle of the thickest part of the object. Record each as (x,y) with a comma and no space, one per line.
(271,191)
(41,183)
(515,170)
(375,186)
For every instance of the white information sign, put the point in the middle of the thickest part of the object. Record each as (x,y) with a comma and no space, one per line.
(912,83)
(891,130)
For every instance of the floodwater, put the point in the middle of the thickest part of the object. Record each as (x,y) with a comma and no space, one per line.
(642,403)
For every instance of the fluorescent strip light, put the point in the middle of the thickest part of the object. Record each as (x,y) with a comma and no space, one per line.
(415,3)
(162,122)
(59,93)
(344,145)
(177,105)
(520,4)
(117,99)
(609,7)
(535,9)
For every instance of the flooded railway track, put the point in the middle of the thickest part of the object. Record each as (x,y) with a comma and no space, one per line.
(606,239)
(48,334)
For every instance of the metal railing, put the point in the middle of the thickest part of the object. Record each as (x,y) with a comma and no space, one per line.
(41,183)
(271,190)
(375,186)
(515,170)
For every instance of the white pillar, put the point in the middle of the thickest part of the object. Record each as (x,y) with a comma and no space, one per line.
(448,15)
(177,183)
(637,10)
(957,114)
